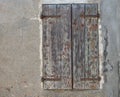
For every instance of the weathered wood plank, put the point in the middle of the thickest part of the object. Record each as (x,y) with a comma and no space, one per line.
(64,27)
(78,27)
(48,65)
(57,47)
(91,48)
(85,46)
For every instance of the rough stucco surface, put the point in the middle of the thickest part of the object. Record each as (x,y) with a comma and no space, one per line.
(20,42)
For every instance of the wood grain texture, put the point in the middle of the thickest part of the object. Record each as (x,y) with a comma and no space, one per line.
(70,51)
(57,46)
(91,48)
(78,27)
(85,46)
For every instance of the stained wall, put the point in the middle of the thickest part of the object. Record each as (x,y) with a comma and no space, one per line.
(20,49)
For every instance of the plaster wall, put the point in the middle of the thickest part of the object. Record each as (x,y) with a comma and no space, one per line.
(20,49)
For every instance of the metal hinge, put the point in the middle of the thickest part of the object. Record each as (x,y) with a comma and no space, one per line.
(98,15)
(91,79)
(50,79)
(50,16)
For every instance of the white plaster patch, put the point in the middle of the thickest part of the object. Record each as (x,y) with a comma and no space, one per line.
(100,56)
(40,28)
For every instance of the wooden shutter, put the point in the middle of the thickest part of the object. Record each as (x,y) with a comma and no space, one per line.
(70,46)
(85,46)
(56,46)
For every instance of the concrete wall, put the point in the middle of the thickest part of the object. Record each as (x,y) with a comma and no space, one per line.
(20,50)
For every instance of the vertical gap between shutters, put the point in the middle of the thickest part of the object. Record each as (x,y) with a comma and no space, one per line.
(88,38)
(84,44)
(71,49)
(98,40)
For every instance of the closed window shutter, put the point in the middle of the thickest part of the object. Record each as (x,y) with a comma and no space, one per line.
(56,46)
(85,46)
(70,46)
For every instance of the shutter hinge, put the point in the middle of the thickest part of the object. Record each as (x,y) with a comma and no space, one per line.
(98,15)
(90,79)
(50,79)
(50,16)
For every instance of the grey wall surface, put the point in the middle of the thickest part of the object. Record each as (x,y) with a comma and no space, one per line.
(20,50)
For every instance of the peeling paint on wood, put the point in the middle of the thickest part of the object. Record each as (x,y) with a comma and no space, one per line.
(57,46)
(78,26)
(85,46)
(73,58)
